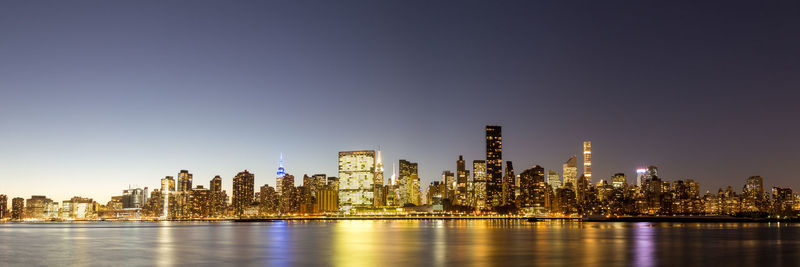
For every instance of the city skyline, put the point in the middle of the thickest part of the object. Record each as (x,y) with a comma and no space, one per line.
(94,98)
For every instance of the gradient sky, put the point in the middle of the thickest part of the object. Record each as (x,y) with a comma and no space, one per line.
(97,96)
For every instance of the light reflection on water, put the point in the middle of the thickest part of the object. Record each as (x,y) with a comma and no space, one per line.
(400,243)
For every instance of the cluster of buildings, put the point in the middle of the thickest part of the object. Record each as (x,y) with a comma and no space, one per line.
(491,186)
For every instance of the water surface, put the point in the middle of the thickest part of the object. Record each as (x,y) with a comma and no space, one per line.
(401,243)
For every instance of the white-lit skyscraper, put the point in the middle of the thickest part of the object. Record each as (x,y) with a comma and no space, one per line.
(587,160)
(356,179)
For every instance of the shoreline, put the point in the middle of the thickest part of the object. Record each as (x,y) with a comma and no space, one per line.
(631,219)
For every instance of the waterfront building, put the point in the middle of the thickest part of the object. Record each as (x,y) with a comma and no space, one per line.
(268,202)
(533,193)
(587,160)
(328,199)
(3,206)
(356,179)
(218,197)
(408,182)
(462,179)
(200,204)
(479,184)
(449,183)
(571,172)
(17,208)
(134,198)
(184,181)
(753,194)
(435,194)
(379,198)
(41,207)
(243,192)
(494,166)
(508,187)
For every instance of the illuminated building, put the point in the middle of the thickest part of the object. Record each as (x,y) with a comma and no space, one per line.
(17,208)
(571,172)
(243,192)
(479,184)
(77,208)
(783,200)
(134,198)
(184,181)
(268,200)
(587,160)
(462,180)
(449,183)
(408,182)
(553,179)
(280,174)
(753,194)
(356,179)
(167,187)
(328,199)
(200,202)
(641,176)
(508,187)
(218,197)
(3,206)
(379,198)
(435,194)
(651,172)
(533,191)
(494,166)
(618,180)
(41,207)
(288,195)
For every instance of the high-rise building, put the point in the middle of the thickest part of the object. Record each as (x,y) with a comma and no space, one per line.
(479,184)
(356,179)
(587,160)
(553,179)
(279,179)
(449,183)
(216,183)
(408,182)
(571,172)
(753,194)
(134,198)
(3,206)
(243,192)
(377,187)
(17,208)
(641,175)
(532,189)
(494,166)
(41,207)
(508,185)
(462,180)
(619,180)
(184,181)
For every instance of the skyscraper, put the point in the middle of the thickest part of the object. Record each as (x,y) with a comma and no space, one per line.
(377,187)
(356,179)
(494,166)
(216,183)
(184,181)
(3,206)
(449,183)
(508,185)
(532,189)
(553,179)
(408,182)
(641,175)
(479,184)
(279,179)
(462,180)
(243,191)
(571,172)
(587,160)
(17,208)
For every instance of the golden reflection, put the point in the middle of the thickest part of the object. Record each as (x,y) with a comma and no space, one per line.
(356,244)
(164,246)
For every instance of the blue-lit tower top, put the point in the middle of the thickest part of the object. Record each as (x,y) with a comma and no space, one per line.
(281,171)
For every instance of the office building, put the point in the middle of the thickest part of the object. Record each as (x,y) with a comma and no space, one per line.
(494,166)
(356,179)
(243,192)
(571,172)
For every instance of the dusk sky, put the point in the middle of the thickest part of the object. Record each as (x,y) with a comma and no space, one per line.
(97,96)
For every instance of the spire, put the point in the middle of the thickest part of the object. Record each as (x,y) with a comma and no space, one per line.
(394,175)
(281,171)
